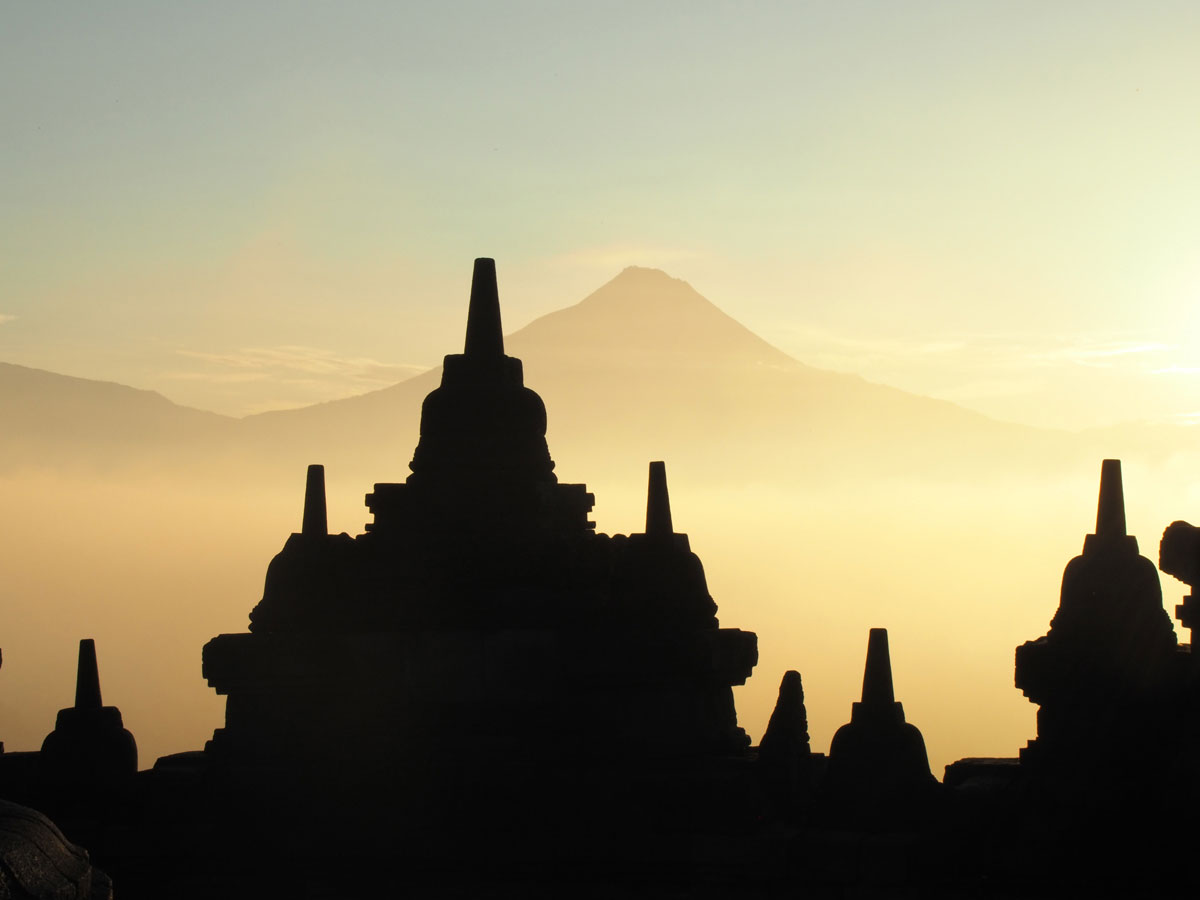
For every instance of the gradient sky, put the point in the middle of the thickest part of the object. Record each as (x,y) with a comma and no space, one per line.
(254,205)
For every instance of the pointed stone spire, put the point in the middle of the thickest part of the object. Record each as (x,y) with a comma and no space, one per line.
(1110,535)
(877,688)
(658,503)
(485,337)
(1110,510)
(316,520)
(87,677)
(878,697)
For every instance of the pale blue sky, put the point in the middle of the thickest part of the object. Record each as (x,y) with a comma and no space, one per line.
(247,205)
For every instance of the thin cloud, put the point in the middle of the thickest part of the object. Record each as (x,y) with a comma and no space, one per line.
(285,363)
(6,317)
(1001,374)
(219,377)
(878,346)
(1100,354)
(987,389)
(285,376)
(977,352)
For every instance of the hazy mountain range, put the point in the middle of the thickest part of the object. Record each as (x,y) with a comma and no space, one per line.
(642,368)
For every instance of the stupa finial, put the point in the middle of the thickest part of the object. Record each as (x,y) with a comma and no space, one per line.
(1110,510)
(87,677)
(877,691)
(485,336)
(316,519)
(658,502)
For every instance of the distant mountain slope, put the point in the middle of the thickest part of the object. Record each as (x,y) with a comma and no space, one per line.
(645,367)
(646,317)
(50,419)
(642,368)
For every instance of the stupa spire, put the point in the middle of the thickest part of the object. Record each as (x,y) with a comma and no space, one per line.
(485,336)
(1110,510)
(877,691)
(316,519)
(87,677)
(658,502)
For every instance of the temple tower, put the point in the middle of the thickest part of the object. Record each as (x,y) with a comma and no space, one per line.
(313,566)
(480,639)
(878,767)
(1101,675)
(89,748)
(481,467)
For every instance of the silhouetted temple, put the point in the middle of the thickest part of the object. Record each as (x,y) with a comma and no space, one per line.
(1114,765)
(482,688)
(878,767)
(480,632)
(89,748)
(1102,676)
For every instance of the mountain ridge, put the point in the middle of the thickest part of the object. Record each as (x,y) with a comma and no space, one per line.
(644,363)
(23,375)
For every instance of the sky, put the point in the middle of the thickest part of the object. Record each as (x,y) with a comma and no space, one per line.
(248,206)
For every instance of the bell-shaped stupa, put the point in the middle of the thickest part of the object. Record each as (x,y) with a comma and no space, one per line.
(89,748)
(878,766)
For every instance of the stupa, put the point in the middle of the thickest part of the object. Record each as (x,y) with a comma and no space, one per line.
(480,630)
(878,766)
(89,749)
(1105,676)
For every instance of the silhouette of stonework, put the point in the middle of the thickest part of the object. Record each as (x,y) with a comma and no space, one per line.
(878,767)
(480,621)
(89,747)
(1179,556)
(786,737)
(312,567)
(785,758)
(1102,674)
(37,861)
